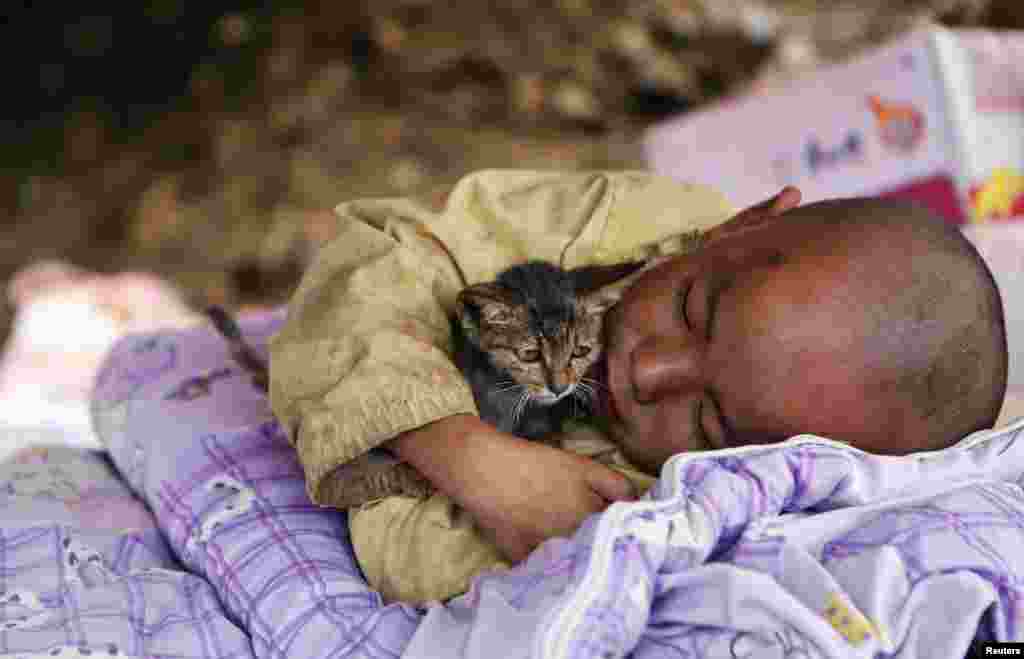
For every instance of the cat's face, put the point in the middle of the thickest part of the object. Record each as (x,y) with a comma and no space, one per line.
(548,366)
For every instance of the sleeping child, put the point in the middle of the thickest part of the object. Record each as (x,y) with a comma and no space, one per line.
(860,320)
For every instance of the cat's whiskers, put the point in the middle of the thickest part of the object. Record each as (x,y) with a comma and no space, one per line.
(510,388)
(587,393)
(527,400)
(592,381)
(520,405)
(515,410)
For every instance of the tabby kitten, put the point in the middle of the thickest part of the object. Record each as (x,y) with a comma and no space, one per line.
(526,341)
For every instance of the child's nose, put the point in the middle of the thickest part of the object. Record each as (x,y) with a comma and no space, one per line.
(662,365)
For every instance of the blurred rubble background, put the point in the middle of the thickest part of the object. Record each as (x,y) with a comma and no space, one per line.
(209,145)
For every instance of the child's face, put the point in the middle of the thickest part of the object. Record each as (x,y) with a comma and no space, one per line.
(746,343)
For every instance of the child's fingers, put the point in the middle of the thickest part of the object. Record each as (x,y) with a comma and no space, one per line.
(610,485)
(787,199)
(769,209)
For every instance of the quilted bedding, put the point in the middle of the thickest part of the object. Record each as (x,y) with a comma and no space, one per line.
(192,536)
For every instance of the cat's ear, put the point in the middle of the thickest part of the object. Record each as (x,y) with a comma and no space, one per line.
(608,295)
(485,304)
(591,278)
(603,299)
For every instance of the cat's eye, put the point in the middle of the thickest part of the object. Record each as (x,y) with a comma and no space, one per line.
(528,354)
(581,351)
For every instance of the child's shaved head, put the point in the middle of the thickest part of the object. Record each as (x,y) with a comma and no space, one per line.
(865,321)
(935,308)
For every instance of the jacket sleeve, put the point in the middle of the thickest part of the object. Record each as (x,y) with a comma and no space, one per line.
(365,353)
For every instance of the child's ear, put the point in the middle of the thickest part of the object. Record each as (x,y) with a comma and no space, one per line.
(482,305)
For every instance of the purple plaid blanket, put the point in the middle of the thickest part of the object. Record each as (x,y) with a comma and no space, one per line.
(195,440)
(193,537)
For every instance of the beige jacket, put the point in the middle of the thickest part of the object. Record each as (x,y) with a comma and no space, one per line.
(365,352)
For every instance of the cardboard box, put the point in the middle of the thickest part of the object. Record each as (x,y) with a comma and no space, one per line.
(936,116)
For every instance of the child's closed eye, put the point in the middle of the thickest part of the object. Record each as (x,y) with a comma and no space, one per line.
(683,304)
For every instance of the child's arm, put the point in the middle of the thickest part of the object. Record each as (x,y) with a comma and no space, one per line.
(519,493)
(365,354)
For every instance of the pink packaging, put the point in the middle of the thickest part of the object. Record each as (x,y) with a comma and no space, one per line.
(994,166)
(936,116)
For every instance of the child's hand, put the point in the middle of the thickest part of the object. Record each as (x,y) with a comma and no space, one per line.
(520,493)
(770,209)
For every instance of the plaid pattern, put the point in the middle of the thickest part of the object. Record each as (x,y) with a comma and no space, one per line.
(83,570)
(229,495)
(803,549)
(806,548)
